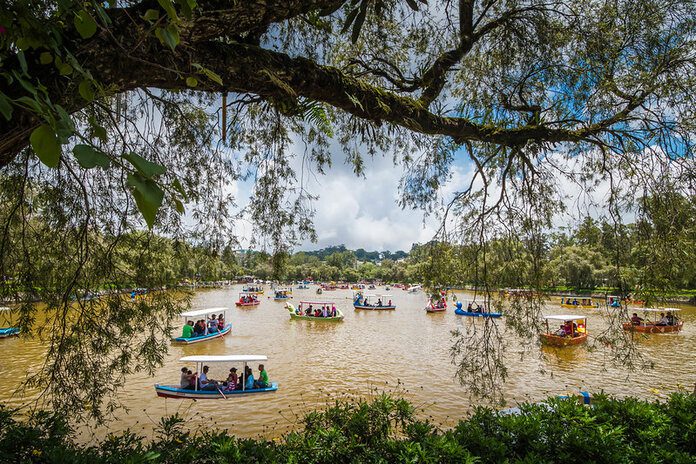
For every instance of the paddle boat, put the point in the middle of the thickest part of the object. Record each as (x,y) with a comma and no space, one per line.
(614,301)
(474,309)
(655,322)
(582,302)
(6,332)
(414,289)
(572,331)
(305,307)
(436,307)
(281,294)
(373,302)
(247,300)
(302,286)
(253,289)
(203,314)
(319,291)
(220,392)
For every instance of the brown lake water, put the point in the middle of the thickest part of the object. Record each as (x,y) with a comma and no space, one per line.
(404,351)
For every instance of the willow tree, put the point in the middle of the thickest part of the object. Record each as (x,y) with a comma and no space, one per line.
(114,113)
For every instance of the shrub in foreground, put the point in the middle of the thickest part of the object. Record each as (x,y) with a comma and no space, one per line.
(386,429)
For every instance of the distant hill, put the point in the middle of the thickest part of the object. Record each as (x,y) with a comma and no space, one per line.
(360,253)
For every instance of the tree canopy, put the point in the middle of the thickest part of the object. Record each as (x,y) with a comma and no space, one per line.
(125,114)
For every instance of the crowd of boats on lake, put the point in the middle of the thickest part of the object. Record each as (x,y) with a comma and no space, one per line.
(203,325)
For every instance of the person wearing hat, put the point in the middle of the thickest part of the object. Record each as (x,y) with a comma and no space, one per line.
(232,379)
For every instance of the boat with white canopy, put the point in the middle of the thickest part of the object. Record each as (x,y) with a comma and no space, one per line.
(373,302)
(315,311)
(657,320)
(208,332)
(281,294)
(220,391)
(572,331)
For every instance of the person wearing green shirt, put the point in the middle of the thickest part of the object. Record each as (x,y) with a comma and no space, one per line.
(188,330)
(263,378)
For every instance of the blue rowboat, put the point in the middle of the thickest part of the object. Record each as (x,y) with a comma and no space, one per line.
(175,391)
(168,391)
(461,312)
(203,338)
(8,332)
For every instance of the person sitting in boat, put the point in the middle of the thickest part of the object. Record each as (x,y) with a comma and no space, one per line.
(198,329)
(323,310)
(575,301)
(561,331)
(568,328)
(185,381)
(379,302)
(221,321)
(671,320)
(390,303)
(308,311)
(206,383)
(663,320)
(636,320)
(249,379)
(263,378)
(317,312)
(333,310)
(232,379)
(187,331)
(468,307)
(212,324)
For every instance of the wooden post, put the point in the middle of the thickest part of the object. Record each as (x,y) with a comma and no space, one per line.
(224,118)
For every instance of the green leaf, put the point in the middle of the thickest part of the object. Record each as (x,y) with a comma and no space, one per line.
(5,106)
(191,81)
(212,75)
(168,6)
(46,145)
(22,43)
(88,157)
(179,206)
(412,4)
(359,20)
(99,132)
(148,196)
(180,189)
(168,35)
(151,15)
(85,24)
(349,20)
(46,58)
(65,69)
(22,62)
(147,168)
(86,90)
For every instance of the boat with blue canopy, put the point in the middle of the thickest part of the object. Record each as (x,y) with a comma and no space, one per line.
(474,309)
(209,333)
(221,391)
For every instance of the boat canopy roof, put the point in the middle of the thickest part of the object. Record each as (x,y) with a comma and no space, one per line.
(564,317)
(203,312)
(373,295)
(317,302)
(659,310)
(208,358)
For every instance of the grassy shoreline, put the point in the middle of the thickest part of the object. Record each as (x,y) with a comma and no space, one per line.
(387,429)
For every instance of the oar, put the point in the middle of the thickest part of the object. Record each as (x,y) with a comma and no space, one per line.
(220,391)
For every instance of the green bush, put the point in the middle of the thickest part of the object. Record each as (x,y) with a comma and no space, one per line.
(385,430)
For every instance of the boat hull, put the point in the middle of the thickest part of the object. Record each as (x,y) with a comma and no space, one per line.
(653,328)
(166,391)
(579,306)
(461,312)
(9,332)
(338,318)
(375,308)
(247,305)
(435,310)
(283,298)
(203,338)
(555,340)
